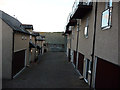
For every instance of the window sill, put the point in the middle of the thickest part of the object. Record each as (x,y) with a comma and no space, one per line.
(106,28)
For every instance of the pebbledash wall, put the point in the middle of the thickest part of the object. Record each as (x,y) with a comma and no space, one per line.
(85,43)
(22,44)
(106,50)
(33,55)
(74,38)
(68,44)
(106,64)
(106,45)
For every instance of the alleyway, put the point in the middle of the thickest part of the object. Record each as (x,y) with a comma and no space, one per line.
(52,71)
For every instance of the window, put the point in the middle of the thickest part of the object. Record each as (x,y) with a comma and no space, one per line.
(107,18)
(89,67)
(86,29)
(70,28)
(107,15)
(30,37)
(22,37)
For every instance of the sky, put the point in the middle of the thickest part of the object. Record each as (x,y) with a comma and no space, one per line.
(44,15)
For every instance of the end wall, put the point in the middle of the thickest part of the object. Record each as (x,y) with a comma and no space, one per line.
(7,42)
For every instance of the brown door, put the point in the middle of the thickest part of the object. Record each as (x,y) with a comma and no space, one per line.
(69,55)
(75,57)
(18,62)
(107,74)
(80,63)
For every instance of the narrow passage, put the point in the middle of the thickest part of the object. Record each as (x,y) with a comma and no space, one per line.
(52,71)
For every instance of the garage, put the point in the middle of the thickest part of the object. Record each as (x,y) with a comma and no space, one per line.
(69,56)
(75,57)
(80,63)
(107,74)
(18,62)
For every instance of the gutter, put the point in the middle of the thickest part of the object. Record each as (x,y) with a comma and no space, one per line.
(93,48)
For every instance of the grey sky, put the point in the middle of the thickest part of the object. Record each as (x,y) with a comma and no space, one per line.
(45,15)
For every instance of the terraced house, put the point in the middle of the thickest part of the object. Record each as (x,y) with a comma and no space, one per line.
(92,46)
(15,46)
(19,47)
(40,41)
(32,48)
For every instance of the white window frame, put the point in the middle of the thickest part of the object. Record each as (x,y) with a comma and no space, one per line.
(107,14)
(86,29)
(108,6)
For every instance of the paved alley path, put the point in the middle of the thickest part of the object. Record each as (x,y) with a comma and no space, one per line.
(52,71)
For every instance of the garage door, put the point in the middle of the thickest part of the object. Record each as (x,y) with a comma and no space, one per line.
(18,62)
(80,63)
(107,74)
(75,57)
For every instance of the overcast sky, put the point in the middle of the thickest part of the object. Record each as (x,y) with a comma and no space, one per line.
(45,15)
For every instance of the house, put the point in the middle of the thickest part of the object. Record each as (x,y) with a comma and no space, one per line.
(40,40)
(43,44)
(15,46)
(32,45)
(67,34)
(54,41)
(93,42)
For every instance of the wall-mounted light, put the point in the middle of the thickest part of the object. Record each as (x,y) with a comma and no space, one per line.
(36,51)
(22,37)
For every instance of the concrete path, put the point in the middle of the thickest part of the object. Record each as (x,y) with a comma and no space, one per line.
(52,71)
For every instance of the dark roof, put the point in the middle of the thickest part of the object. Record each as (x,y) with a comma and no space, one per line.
(33,34)
(13,22)
(32,45)
(42,36)
(36,33)
(38,47)
(40,39)
(27,26)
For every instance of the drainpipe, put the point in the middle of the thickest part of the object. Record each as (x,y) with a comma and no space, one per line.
(70,44)
(77,36)
(93,48)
